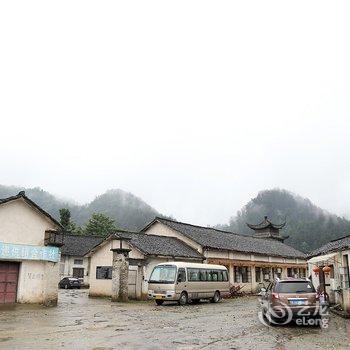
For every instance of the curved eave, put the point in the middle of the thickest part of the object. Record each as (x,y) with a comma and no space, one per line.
(266,224)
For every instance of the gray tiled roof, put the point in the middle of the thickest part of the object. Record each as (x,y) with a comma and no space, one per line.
(76,245)
(332,246)
(217,239)
(160,245)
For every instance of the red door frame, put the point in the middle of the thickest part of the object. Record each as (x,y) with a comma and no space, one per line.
(9,275)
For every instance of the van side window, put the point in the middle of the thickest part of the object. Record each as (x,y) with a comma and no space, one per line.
(214,275)
(181,275)
(225,276)
(202,275)
(193,274)
(208,275)
(220,276)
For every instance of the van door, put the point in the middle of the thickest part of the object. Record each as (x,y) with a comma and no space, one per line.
(181,282)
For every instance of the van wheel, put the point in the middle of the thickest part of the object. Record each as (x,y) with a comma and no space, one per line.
(159,302)
(216,298)
(183,298)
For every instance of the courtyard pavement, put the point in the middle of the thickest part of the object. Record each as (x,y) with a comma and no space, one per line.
(79,322)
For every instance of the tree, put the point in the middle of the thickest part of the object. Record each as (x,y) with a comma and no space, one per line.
(99,225)
(67,223)
(64,217)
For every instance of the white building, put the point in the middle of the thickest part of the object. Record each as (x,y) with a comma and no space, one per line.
(29,252)
(335,255)
(146,251)
(252,261)
(73,261)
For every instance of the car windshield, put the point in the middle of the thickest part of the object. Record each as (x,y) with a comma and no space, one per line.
(163,274)
(295,287)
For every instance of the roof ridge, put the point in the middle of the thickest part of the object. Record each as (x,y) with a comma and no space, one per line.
(205,227)
(338,239)
(78,235)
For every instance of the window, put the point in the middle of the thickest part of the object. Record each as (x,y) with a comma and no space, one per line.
(242,274)
(266,274)
(163,274)
(214,275)
(225,275)
(245,274)
(258,274)
(302,273)
(289,272)
(277,272)
(78,261)
(294,287)
(104,272)
(78,272)
(207,275)
(202,275)
(181,276)
(193,274)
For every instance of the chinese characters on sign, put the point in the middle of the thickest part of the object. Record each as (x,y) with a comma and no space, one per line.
(28,252)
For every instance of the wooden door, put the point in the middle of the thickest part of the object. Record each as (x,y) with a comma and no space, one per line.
(8,282)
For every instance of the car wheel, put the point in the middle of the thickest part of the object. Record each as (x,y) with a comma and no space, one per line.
(216,298)
(159,302)
(183,298)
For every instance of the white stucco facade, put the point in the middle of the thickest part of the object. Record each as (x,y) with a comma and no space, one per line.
(337,281)
(140,269)
(69,264)
(235,260)
(24,225)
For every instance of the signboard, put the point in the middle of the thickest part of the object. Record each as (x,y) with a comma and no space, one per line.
(10,251)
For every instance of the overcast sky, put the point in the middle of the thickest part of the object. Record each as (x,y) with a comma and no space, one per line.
(194,106)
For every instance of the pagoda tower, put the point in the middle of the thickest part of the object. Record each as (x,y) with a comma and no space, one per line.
(267,229)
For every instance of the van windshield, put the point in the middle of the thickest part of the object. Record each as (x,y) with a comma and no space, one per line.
(295,287)
(163,274)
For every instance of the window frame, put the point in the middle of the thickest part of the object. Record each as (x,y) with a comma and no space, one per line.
(107,272)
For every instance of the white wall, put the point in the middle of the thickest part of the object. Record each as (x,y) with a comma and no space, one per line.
(22,224)
(160,229)
(67,264)
(103,256)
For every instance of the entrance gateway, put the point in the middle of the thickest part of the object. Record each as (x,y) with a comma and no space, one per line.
(8,281)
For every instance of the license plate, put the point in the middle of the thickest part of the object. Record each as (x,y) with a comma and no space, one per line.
(297,302)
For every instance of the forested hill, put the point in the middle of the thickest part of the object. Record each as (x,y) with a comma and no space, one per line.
(308,226)
(128,211)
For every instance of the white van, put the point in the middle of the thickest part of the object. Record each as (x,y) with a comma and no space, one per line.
(184,282)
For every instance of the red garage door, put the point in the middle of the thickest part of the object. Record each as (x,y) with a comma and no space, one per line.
(8,282)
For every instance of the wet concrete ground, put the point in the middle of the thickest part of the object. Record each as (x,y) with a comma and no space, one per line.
(82,323)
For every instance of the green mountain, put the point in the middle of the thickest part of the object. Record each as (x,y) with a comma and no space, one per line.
(308,226)
(128,211)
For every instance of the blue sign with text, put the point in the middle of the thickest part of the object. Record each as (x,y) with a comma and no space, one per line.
(28,252)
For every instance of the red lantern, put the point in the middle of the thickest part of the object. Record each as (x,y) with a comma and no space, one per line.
(327,270)
(316,270)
